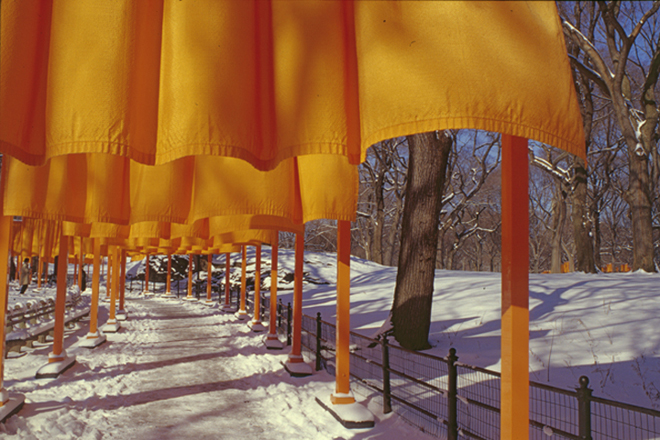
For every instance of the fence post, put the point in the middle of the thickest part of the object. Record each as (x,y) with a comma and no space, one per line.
(584,408)
(279,314)
(387,395)
(318,341)
(452,393)
(288,324)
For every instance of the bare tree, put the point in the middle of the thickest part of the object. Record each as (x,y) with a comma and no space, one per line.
(380,205)
(611,68)
(470,195)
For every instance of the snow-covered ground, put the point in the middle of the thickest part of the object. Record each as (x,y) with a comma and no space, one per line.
(185,370)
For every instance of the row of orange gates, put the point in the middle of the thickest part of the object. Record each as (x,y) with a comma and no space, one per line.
(59,361)
(608,268)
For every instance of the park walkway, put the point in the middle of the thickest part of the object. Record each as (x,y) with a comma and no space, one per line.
(191,381)
(177,370)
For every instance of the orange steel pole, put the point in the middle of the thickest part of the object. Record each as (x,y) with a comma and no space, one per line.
(227,269)
(514,418)
(20,252)
(190,274)
(242,311)
(296,355)
(81,264)
(342,393)
(75,267)
(257,287)
(122,280)
(5,234)
(209,277)
(115,284)
(146,276)
(109,273)
(169,274)
(96,282)
(58,353)
(272,323)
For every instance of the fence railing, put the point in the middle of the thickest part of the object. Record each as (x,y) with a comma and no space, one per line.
(448,399)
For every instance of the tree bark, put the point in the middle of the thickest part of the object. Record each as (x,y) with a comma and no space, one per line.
(413,294)
(581,224)
(639,200)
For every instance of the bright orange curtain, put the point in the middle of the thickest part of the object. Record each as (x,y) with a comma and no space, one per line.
(110,189)
(266,80)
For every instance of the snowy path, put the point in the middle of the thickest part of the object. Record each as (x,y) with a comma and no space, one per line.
(178,370)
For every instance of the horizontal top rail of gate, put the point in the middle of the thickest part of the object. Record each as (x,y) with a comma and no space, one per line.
(421,384)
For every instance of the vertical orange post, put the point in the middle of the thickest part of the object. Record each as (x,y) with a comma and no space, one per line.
(342,393)
(169,275)
(242,313)
(108,276)
(190,275)
(514,418)
(81,264)
(146,276)
(58,353)
(257,287)
(94,338)
(5,234)
(227,305)
(296,355)
(122,281)
(272,323)
(115,284)
(75,268)
(209,277)
(20,255)
(96,283)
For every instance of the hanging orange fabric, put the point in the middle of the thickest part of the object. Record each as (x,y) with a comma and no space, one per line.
(268,80)
(110,189)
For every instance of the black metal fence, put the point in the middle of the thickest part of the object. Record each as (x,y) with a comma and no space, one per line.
(448,399)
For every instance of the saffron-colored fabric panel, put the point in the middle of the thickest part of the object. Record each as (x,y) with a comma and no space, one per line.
(77,188)
(35,237)
(263,81)
(101,188)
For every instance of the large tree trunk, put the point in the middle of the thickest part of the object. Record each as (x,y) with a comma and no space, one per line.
(413,294)
(639,200)
(581,223)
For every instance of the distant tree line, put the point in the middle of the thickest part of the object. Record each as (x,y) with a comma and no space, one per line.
(586,214)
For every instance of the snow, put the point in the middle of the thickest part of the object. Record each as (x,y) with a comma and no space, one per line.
(181,369)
